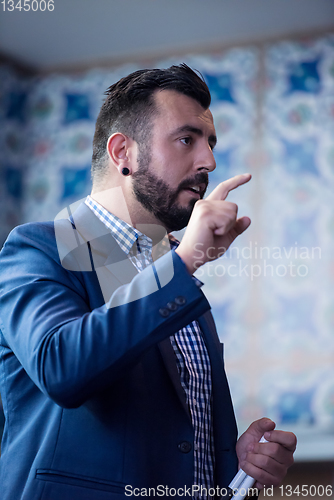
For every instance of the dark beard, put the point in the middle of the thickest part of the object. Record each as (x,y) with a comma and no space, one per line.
(158,198)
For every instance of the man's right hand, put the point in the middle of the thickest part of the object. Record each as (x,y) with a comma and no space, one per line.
(213,226)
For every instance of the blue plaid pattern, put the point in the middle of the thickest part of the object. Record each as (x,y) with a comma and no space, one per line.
(195,373)
(192,358)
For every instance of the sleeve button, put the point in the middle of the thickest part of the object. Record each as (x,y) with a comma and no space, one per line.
(180,301)
(163,312)
(172,306)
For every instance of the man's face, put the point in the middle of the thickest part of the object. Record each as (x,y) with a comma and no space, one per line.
(173,169)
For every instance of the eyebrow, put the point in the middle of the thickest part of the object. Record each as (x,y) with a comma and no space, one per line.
(197,131)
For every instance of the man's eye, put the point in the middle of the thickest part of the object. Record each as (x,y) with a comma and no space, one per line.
(186,140)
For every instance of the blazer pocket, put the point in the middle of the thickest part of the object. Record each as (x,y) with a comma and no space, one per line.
(60,477)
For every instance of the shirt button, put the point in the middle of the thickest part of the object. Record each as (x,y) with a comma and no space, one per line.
(180,301)
(172,306)
(194,401)
(163,312)
(195,446)
(184,447)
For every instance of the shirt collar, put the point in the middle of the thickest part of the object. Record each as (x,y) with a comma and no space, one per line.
(125,235)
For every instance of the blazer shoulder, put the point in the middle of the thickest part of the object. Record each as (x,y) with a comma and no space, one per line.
(54,238)
(30,234)
(32,250)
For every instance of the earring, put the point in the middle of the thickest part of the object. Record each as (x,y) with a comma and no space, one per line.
(125,171)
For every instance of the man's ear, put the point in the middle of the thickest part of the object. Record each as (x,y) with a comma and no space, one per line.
(118,148)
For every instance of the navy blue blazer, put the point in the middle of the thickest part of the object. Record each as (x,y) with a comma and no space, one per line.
(91,392)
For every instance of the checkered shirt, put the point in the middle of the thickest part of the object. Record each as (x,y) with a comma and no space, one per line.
(192,358)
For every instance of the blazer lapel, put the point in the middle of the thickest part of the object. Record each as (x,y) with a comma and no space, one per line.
(168,356)
(225,428)
(207,324)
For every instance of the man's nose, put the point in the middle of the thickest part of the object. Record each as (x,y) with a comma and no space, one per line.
(206,160)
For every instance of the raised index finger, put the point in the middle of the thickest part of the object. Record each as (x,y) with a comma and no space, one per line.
(222,190)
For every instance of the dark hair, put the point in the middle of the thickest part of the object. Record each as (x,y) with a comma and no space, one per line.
(129,105)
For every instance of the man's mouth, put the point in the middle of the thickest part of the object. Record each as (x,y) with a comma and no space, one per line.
(198,189)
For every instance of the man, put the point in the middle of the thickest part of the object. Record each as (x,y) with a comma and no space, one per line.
(112,373)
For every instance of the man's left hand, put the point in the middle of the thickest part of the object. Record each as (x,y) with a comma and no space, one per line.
(267,463)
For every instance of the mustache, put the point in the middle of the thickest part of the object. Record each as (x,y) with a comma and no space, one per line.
(199,178)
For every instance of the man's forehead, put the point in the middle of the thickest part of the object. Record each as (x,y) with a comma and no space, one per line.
(173,105)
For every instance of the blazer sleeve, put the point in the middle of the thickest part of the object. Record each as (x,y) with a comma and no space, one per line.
(68,350)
